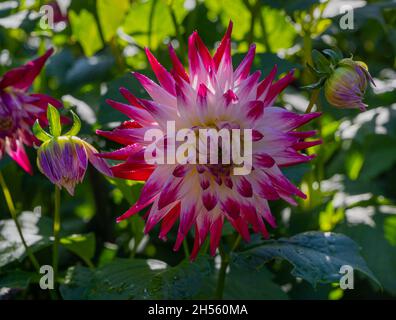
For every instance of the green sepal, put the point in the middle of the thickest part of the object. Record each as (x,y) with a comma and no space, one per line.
(315,85)
(322,64)
(39,132)
(54,121)
(76,127)
(334,55)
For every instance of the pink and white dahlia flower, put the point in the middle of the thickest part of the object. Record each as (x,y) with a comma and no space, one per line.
(211,95)
(19,109)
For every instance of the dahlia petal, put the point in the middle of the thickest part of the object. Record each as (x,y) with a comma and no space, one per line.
(139,115)
(160,112)
(130,98)
(306,144)
(124,136)
(230,97)
(303,135)
(177,65)
(225,72)
(155,215)
(231,207)
(209,200)
(203,53)
(290,157)
(154,184)
(244,187)
(243,70)
(265,85)
(245,90)
(163,76)
(242,227)
(278,87)
(255,110)
(18,154)
(42,101)
(96,161)
(215,234)
(156,92)
(170,192)
(263,187)
(188,212)
(134,209)
(221,50)
(123,153)
(263,160)
(22,77)
(284,120)
(169,220)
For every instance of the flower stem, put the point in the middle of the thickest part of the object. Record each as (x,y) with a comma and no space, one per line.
(186,250)
(176,26)
(222,275)
(57,224)
(11,208)
(225,261)
(312,101)
(151,21)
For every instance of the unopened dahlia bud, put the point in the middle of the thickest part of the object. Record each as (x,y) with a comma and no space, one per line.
(344,80)
(63,159)
(346,86)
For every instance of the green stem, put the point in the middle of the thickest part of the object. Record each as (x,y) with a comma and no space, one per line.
(177,28)
(222,277)
(150,21)
(312,101)
(225,261)
(265,33)
(11,208)
(254,11)
(57,224)
(186,250)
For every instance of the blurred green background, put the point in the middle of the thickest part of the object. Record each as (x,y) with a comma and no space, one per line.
(350,185)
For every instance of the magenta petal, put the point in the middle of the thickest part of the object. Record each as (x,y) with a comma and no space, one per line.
(96,160)
(18,154)
(22,77)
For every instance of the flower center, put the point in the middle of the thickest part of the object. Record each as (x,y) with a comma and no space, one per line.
(6,124)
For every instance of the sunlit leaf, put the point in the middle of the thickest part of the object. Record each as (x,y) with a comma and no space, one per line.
(111,16)
(36,230)
(86,31)
(82,245)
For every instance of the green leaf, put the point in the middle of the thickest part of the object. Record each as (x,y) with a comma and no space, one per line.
(39,132)
(136,279)
(86,31)
(111,15)
(353,163)
(16,279)
(316,256)
(36,230)
(54,121)
(152,34)
(321,27)
(377,249)
(82,245)
(291,6)
(245,283)
(75,129)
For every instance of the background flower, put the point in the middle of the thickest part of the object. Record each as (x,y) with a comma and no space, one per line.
(19,109)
